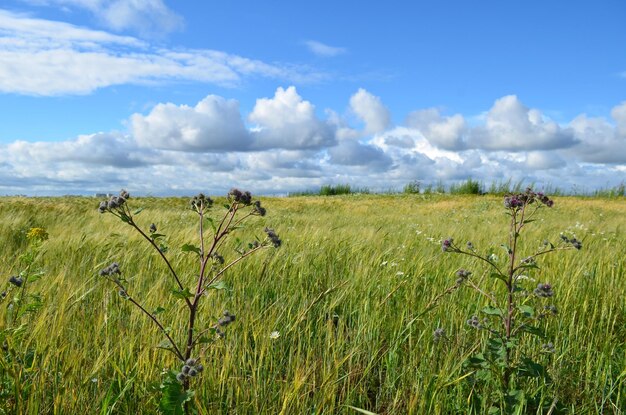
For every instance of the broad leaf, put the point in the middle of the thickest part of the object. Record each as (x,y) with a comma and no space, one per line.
(190,248)
(174,396)
(182,294)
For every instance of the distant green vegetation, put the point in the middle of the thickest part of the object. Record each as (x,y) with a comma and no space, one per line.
(466,187)
(341,316)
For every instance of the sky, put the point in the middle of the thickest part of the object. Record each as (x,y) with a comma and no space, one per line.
(166,97)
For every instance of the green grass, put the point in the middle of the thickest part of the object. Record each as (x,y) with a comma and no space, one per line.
(346,292)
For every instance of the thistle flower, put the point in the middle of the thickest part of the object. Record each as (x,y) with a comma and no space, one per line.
(474,322)
(462,276)
(153,228)
(114,268)
(446,244)
(257,209)
(17,281)
(245,198)
(543,290)
(548,347)
(226,319)
(201,202)
(273,237)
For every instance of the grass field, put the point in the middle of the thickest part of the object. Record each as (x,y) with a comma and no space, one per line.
(346,293)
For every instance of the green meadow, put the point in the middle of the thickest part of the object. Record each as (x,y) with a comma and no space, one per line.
(340,317)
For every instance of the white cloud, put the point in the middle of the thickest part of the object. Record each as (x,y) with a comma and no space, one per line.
(42,57)
(287,121)
(323,50)
(147,17)
(599,140)
(371,110)
(214,124)
(544,160)
(179,149)
(443,132)
(619,115)
(353,153)
(512,126)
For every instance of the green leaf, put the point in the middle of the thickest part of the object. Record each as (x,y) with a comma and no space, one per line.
(205,339)
(531,369)
(138,211)
(533,330)
(174,396)
(218,285)
(182,294)
(514,401)
(492,311)
(498,276)
(532,265)
(190,248)
(529,220)
(158,310)
(165,344)
(527,310)
(506,248)
(155,236)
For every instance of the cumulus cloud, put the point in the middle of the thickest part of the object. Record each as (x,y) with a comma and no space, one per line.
(511,126)
(214,124)
(443,132)
(323,50)
(65,59)
(599,140)
(354,153)
(180,149)
(100,149)
(544,160)
(287,121)
(371,110)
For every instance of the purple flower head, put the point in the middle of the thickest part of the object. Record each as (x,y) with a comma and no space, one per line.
(446,244)
(543,290)
(17,281)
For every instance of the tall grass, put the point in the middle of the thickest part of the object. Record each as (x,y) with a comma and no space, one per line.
(346,293)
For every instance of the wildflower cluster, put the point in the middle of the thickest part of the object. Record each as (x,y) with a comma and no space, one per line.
(273,237)
(236,195)
(200,202)
(110,270)
(37,234)
(222,322)
(16,280)
(520,200)
(114,202)
(543,290)
(572,241)
(462,276)
(191,368)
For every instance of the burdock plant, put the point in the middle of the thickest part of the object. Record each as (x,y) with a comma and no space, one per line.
(505,363)
(211,264)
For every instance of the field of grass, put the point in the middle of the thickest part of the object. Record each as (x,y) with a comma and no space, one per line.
(346,292)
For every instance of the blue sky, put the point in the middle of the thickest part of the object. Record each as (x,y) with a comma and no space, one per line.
(167,97)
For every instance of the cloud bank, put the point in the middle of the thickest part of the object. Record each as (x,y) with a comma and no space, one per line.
(284,145)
